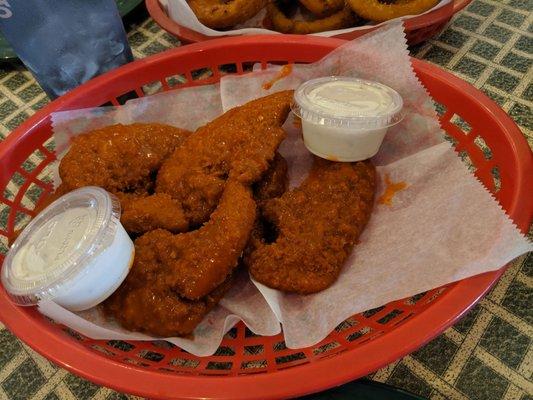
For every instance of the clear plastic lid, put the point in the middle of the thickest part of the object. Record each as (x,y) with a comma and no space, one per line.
(340,101)
(57,246)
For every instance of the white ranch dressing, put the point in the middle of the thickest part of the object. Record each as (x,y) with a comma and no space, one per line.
(75,252)
(349,98)
(346,119)
(52,244)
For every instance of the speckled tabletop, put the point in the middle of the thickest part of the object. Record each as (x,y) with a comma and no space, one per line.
(487,355)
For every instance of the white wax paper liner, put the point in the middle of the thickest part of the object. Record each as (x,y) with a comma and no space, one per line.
(172,108)
(445,226)
(187,108)
(304,321)
(180,12)
(242,302)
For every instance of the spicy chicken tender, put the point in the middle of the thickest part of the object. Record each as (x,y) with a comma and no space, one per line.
(274,181)
(140,307)
(200,260)
(237,145)
(220,14)
(313,227)
(176,279)
(196,262)
(123,159)
(159,211)
(119,158)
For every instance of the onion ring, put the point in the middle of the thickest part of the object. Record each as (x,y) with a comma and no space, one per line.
(377,11)
(220,14)
(323,8)
(341,19)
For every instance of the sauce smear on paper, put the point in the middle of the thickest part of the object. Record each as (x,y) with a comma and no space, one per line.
(390,190)
(297,122)
(283,73)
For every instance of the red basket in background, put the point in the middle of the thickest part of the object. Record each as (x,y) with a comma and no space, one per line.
(418,28)
(246,365)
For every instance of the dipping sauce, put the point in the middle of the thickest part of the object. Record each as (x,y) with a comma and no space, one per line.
(346,118)
(75,252)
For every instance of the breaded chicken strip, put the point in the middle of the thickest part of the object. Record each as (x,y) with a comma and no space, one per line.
(147,300)
(142,214)
(119,158)
(176,279)
(160,311)
(315,228)
(239,144)
(123,159)
(274,181)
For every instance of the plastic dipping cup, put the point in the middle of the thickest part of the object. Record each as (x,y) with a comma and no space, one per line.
(75,252)
(346,119)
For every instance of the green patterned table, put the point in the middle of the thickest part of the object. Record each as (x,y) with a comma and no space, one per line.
(487,355)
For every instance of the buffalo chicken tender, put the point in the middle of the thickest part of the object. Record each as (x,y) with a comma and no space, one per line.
(274,181)
(176,279)
(144,304)
(307,234)
(123,159)
(159,211)
(159,311)
(240,144)
(119,158)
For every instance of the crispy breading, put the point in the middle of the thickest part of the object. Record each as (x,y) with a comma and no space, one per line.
(119,158)
(239,144)
(175,279)
(274,181)
(144,308)
(159,211)
(311,230)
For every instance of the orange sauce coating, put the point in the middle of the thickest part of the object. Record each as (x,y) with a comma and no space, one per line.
(390,190)
(285,71)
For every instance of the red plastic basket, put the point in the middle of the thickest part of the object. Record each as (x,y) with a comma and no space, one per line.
(246,365)
(418,29)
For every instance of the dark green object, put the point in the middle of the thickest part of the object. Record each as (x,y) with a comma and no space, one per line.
(6,52)
(124,7)
(363,390)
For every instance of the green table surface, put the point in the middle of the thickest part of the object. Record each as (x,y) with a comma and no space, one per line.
(488,354)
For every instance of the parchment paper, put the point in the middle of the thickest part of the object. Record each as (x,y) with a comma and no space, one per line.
(179,11)
(445,226)
(186,108)
(242,302)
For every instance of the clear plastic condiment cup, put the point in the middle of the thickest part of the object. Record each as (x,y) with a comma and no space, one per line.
(344,118)
(75,252)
